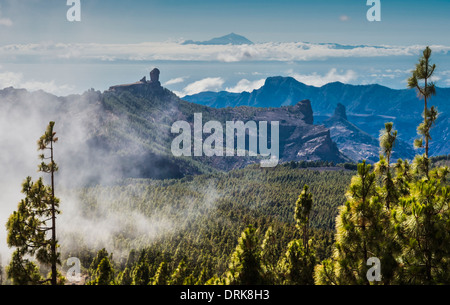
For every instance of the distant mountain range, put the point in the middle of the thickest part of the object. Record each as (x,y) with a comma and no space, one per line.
(368,106)
(126,131)
(233,39)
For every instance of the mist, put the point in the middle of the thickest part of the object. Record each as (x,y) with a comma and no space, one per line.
(79,120)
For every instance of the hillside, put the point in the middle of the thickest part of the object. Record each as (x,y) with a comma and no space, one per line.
(155,215)
(126,131)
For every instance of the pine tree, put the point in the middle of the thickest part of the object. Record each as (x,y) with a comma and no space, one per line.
(124,278)
(383,167)
(387,141)
(423,226)
(403,177)
(269,256)
(422,218)
(360,234)
(421,81)
(46,143)
(302,211)
(101,254)
(141,273)
(179,274)
(190,280)
(297,265)
(203,277)
(28,226)
(23,271)
(245,267)
(162,275)
(104,274)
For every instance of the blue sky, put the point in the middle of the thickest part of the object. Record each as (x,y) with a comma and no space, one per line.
(119,41)
(405,22)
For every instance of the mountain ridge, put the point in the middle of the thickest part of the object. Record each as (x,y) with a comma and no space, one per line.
(368,106)
(232,38)
(127,130)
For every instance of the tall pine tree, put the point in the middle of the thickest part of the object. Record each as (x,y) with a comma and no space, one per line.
(245,267)
(297,265)
(360,233)
(422,222)
(35,219)
(421,81)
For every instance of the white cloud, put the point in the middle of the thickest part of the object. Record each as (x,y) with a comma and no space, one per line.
(246,85)
(174,81)
(435,78)
(16,80)
(291,51)
(10,79)
(318,80)
(207,84)
(344,18)
(6,22)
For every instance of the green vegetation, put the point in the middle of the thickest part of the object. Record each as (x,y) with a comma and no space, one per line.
(421,81)
(202,231)
(28,226)
(300,223)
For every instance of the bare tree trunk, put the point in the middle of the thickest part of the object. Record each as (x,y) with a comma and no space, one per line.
(53,245)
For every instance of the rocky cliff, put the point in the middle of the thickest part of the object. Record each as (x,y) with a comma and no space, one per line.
(300,139)
(357,144)
(368,106)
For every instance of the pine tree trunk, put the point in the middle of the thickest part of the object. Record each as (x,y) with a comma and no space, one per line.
(427,131)
(53,245)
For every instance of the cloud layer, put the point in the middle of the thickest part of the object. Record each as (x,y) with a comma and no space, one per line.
(246,85)
(292,51)
(6,22)
(17,80)
(216,84)
(207,84)
(318,80)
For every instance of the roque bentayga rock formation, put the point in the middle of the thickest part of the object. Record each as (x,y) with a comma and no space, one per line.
(128,129)
(153,84)
(299,138)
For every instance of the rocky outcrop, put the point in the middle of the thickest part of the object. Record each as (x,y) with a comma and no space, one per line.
(142,85)
(154,76)
(340,112)
(300,139)
(357,144)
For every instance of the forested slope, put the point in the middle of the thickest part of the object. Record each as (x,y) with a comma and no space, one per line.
(200,218)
